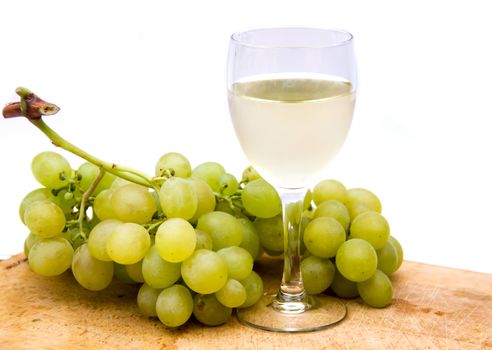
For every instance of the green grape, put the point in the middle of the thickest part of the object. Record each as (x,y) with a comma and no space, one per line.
(155,195)
(119,182)
(334,209)
(323,236)
(131,203)
(174,305)
(271,233)
(50,257)
(239,262)
(29,242)
(363,197)
(372,227)
(224,206)
(88,173)
(50,169)
(224,229)
(98,238)
(254,289)
(209,311)
(356,209)
(128,243)
(250,174)
(377,291)
(233,294)
(147,300)
(102,205)
(157,272)
(210,172)
(387,258)
(175,240)
(134,271)
(260,199)
(90,273)
(204,272)
(203,240)
(71,233)
(308,198)
(68,196)
(306,253)
(228,184)
(74,237)
(272,253)
(305,220)
(343,287)
(178,199)
(329,190)
(205,198)
(66,201)
(121,274)
(177,164)
(45,219)
(94,220)
(294,212)
(308,214)
(33,196)
(356,260)
(251,240)
(317,274)
(399,250)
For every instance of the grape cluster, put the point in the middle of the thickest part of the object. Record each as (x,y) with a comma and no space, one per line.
(347,245)
(191,238)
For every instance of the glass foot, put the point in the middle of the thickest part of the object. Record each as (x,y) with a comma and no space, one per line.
(323,311)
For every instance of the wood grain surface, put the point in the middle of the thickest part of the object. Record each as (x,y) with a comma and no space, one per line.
(433,308)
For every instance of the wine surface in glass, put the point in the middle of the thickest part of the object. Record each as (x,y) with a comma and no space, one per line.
(291,127)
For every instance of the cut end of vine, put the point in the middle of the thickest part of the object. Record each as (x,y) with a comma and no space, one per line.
(30,106)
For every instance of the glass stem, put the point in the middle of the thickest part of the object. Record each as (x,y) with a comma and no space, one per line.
(292,297)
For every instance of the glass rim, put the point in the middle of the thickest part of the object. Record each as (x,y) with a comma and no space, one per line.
(236,37)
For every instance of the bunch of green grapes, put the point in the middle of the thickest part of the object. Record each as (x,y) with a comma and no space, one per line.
(345,241)
(191,238)
(348,246)
(189,256)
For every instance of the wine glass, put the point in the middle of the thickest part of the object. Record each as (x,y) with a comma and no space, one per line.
(291,95)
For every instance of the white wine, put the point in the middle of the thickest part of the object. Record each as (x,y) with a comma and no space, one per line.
(291,128)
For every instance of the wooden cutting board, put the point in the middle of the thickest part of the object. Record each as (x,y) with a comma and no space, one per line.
(433,308)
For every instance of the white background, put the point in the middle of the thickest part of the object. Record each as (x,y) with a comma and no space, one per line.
(136,79)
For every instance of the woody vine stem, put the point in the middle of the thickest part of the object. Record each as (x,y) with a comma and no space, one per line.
(33,108)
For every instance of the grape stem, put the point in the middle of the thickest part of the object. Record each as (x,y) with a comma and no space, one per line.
(33,108)
(30,106)
(85,199)
(231,200)
(153,225)
(166,175)
(124,172)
